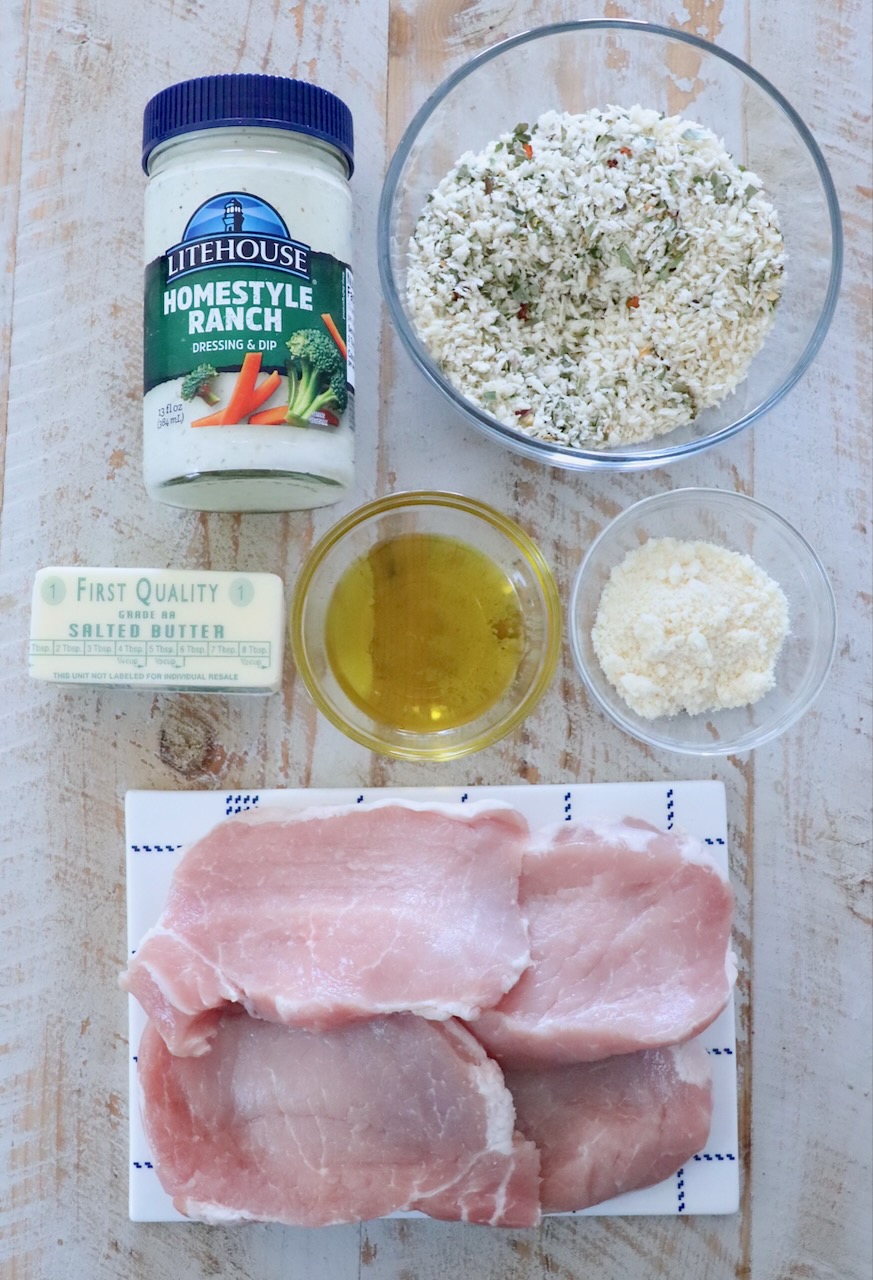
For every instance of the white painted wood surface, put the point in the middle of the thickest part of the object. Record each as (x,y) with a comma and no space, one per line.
(74,76)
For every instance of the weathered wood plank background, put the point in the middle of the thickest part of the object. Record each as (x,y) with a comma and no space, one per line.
(74,76)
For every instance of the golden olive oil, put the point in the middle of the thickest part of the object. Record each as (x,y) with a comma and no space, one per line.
(424,632)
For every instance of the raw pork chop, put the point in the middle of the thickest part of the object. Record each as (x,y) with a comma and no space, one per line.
(612,1126)
(317,916)
(286,1125)
(629,934)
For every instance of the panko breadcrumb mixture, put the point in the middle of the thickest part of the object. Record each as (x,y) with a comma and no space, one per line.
(596,279)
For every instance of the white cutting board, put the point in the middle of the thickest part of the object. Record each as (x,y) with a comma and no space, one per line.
(160,825)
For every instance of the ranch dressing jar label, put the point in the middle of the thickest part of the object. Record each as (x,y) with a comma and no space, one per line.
(237,283)
(248,367)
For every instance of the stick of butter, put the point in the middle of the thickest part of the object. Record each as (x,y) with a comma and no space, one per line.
(188,629)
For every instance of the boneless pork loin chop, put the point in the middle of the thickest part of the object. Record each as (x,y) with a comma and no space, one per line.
(314,917)
(629,936)
(611,1126)
(305,1127)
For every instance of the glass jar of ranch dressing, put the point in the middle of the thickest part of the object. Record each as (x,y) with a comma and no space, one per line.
(249,366)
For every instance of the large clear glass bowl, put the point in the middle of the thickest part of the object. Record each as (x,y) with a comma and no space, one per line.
(575,67)
(744,525)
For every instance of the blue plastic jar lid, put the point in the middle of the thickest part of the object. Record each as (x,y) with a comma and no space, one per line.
(272,102)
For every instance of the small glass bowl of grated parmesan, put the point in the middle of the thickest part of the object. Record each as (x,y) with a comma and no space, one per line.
(702,622)
(609,244)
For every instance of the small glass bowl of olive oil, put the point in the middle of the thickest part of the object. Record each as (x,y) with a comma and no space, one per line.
(426,625)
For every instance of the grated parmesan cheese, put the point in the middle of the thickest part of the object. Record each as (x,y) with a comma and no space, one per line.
(596,279)
(689,626)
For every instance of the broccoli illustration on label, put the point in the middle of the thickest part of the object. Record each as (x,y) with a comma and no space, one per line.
(198,383)
(316,376)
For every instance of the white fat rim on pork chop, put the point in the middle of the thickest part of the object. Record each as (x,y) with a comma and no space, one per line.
(288,1010)
(279,813)
(216,1215)
(636,839)
(691,1063)
(499,1106)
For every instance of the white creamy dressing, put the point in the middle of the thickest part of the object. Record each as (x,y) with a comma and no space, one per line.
(306,182)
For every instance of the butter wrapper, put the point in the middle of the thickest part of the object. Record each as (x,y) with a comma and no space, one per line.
(182,629)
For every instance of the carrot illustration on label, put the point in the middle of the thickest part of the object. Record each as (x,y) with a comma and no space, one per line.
(213,420)
(245,397)
(240,397)
(263,392)
(270,417)
(334,333)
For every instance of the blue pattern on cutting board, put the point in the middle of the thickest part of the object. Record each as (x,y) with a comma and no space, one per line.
(715,1155)
(154,848)
(719,1052)
(680,1190)
(568,810)
(670,811)
(142,1164)
(239,803)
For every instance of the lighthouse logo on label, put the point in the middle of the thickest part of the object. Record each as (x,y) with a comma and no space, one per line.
(237,229)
